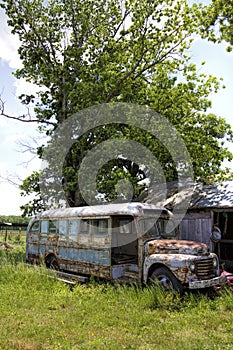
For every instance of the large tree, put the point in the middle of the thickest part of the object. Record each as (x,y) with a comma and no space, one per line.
(216,21)
(84,53)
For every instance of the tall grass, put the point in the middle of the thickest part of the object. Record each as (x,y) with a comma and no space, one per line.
(39,312)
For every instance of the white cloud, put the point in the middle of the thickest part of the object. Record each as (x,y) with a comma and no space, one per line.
(24,87)
(3,165)
(9,44)
(3,122)
(11,200)
(13,137)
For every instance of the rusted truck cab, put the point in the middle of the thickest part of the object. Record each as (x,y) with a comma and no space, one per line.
(191,263)
(129,242)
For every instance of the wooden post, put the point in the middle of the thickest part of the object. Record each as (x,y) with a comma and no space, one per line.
(5,235)
(7,224)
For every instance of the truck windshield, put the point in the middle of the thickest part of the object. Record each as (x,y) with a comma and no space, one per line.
(158,228)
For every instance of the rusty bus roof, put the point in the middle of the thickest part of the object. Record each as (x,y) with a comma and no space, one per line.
(134,209)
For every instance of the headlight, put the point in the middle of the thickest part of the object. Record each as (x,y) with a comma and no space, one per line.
(192,267)
(215,262)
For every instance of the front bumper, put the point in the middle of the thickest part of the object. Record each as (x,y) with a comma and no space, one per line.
(220,280)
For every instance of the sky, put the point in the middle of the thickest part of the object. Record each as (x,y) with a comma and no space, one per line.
(16,164)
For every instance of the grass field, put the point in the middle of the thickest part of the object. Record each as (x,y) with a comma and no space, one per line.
(39,312)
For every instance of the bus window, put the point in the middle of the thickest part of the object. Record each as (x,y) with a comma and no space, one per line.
(103,226)
(84,226)
(125,225)
(99,226)
(52,227)
(44,226)
(73,230)
(62,227)
(83,237)
(35,227)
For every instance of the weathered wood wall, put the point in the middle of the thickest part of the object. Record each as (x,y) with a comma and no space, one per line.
(197,226)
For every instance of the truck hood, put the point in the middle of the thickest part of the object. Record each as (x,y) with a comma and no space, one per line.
(167,246)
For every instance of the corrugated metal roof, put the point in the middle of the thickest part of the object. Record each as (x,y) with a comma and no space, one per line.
(211,196)
(216,196)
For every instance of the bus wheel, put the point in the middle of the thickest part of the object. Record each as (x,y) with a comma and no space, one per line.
(51,263)
(165,278)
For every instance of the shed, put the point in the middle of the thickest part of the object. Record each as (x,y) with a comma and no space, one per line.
(210,205)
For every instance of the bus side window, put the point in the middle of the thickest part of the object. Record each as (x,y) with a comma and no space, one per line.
(84,225)
(62,227)
(44,226)
(73,230)
(125,225)
(52,227)
(103,226)
(99,226)
(35,227)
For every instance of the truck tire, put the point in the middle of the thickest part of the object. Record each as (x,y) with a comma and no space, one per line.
(52,263)
(165,278)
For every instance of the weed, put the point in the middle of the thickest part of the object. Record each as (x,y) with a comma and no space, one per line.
(38,312)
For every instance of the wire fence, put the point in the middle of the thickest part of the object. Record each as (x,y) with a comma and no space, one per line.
(16,235)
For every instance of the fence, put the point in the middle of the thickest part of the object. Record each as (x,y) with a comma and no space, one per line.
(12,232)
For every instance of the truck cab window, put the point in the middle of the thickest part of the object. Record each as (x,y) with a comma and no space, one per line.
(149,228)
(166,228)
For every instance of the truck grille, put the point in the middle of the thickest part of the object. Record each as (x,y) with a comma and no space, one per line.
(204,269)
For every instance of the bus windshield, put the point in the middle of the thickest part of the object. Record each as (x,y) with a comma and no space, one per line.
(157,228)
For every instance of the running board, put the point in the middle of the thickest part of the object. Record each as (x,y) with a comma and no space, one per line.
(130,274)
(69,278)
(72,277)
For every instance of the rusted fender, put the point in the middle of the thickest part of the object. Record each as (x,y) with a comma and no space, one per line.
(177,263)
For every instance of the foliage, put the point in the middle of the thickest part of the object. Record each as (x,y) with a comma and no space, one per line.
(217,21)
(87,53)
(13,219)
(15,254)
(30,187)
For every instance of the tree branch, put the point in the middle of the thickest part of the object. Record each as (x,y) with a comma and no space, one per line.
(26,118)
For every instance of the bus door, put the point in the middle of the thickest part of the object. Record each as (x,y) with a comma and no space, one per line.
(124,240)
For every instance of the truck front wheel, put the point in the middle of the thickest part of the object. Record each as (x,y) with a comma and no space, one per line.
(165,278)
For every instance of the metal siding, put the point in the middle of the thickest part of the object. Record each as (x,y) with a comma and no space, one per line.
(90,256)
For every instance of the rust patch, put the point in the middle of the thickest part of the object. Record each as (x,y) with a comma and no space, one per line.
(177,247)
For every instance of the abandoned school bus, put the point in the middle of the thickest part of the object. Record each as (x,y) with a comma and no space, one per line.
(131,242)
